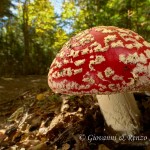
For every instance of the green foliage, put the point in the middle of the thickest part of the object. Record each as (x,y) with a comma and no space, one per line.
(60,38)
(41,16)
(131,14)
(30,41)
(69,10)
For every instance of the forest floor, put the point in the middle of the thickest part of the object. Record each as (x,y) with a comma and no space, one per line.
(12,91)
(32,118)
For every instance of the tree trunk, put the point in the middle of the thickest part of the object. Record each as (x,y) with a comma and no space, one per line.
(27,60)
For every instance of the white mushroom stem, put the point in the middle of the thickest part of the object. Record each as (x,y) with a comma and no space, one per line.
(120,112)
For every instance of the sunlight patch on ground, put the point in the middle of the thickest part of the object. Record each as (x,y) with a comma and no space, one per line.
(2,87)
(7,79)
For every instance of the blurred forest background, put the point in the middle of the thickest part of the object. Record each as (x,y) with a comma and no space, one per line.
(31,32)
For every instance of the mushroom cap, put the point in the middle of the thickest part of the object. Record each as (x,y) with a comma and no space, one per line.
(101,60)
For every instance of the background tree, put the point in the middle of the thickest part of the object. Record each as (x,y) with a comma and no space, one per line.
(5,8)
(30,39)
(131,14)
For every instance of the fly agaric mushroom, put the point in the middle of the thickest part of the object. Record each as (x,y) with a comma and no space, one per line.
(110,63)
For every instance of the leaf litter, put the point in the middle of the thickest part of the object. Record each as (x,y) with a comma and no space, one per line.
(49,121)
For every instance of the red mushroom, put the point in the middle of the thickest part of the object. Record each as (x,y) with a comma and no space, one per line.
(110,63)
